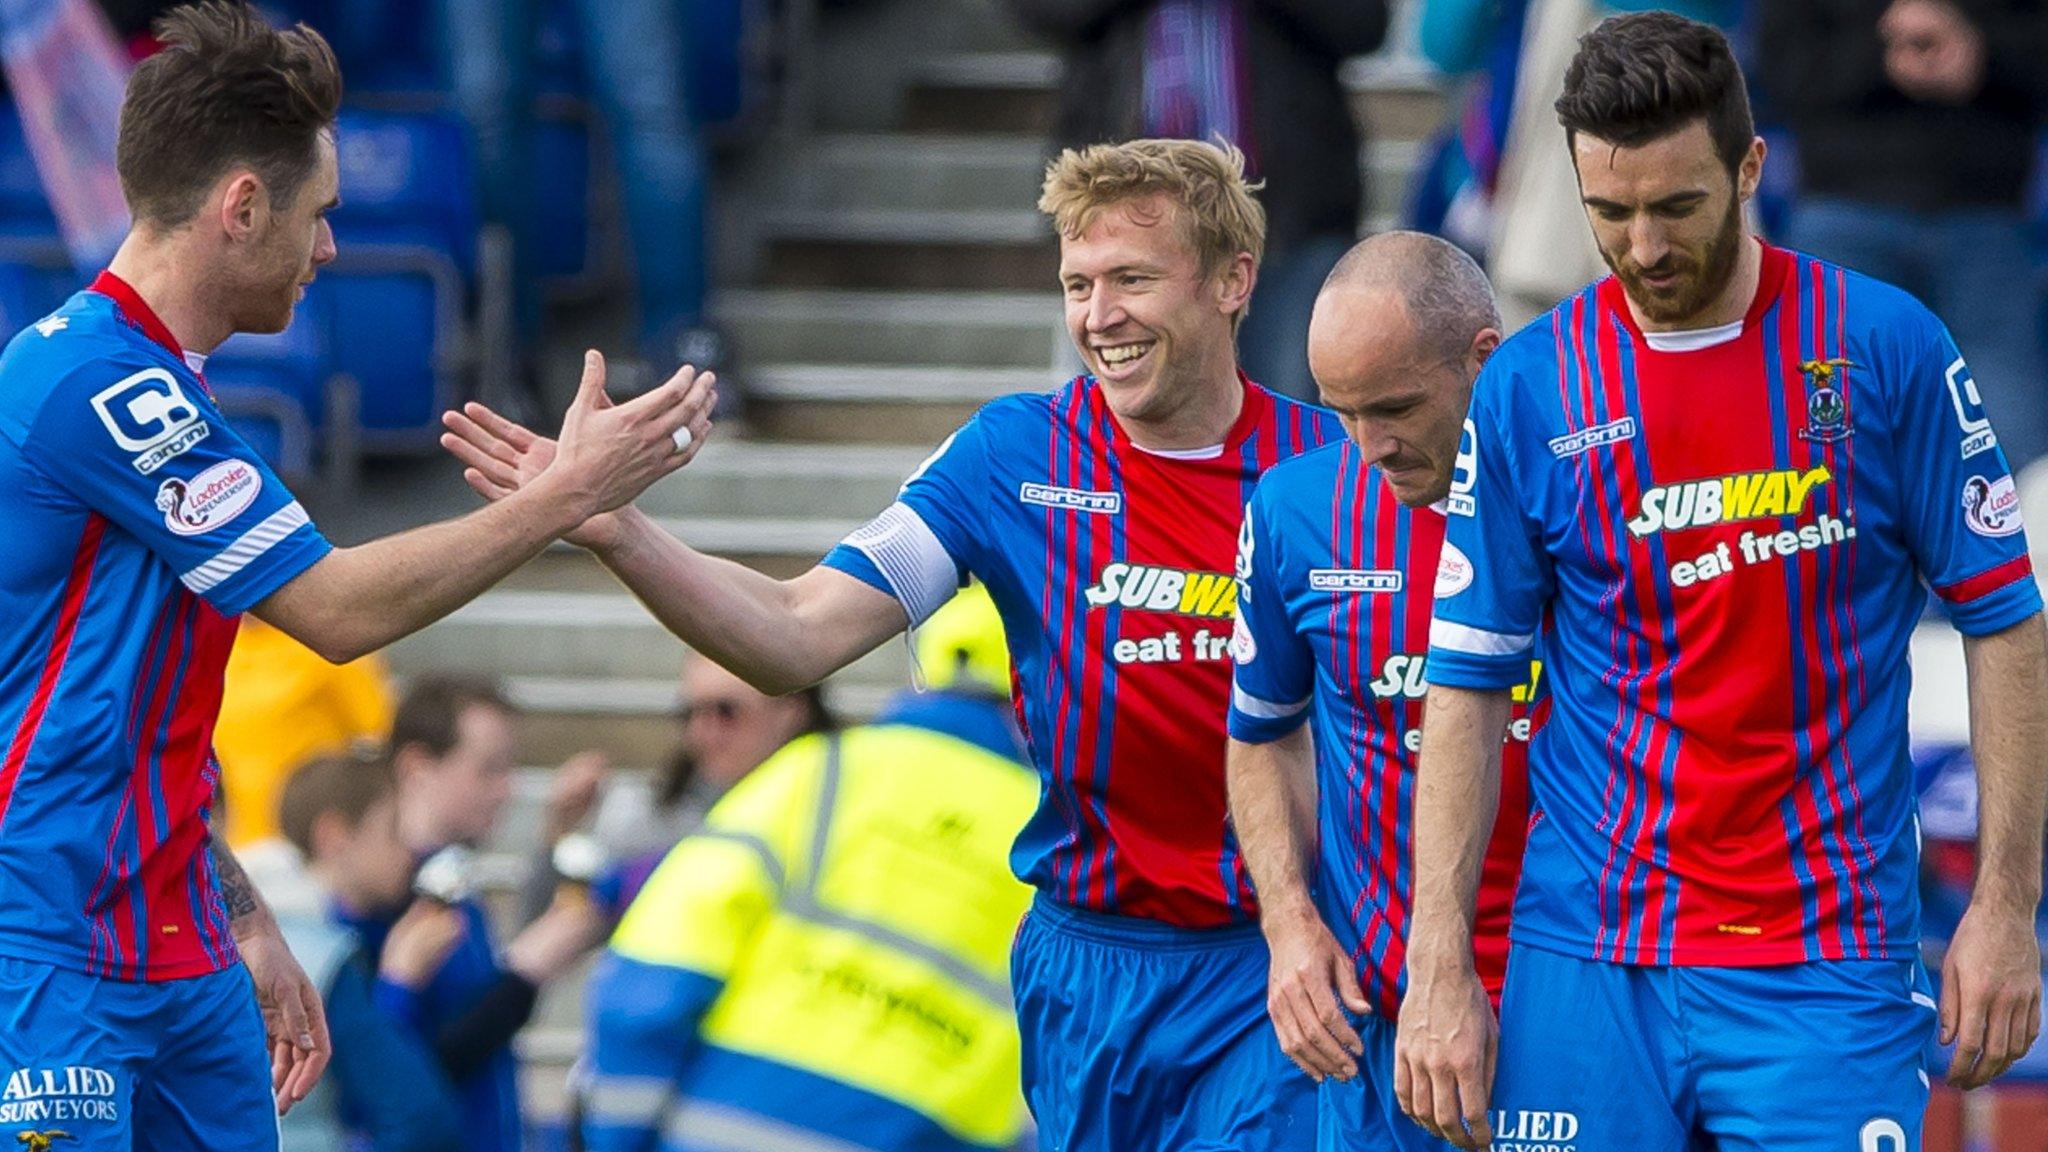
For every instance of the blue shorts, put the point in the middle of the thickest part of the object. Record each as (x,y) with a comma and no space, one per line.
(179,1066)
(1362,1114)
(1601,1057)
(1142,1036)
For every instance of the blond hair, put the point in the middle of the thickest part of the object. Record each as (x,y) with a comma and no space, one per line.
(1204,182)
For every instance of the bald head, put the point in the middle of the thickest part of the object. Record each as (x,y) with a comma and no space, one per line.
(1399,332)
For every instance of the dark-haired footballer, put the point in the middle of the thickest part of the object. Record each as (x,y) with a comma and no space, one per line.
(138,528)
(1715,488)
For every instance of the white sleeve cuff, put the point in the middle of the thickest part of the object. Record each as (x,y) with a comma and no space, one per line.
(1259,709)
(1456,637)
(908,553)
(246,549)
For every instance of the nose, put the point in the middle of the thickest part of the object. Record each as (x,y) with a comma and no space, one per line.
(324,250)
(1647,243)
(1105,310)
(1374,442)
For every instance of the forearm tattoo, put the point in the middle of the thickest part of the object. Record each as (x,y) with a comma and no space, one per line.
(235,890)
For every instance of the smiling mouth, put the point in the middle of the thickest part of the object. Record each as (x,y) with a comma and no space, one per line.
(1117,357)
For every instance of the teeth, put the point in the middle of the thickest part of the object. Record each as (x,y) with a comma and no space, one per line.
(1122,353)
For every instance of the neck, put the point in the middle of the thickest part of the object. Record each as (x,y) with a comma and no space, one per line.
(1208,409)
(1728,307)
(159,272)
(418,830)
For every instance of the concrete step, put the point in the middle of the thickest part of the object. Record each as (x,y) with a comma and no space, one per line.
(901,405)
(955,329)
(1010,93)
(897,248)
(769,479)
(1015,93)
(924,172)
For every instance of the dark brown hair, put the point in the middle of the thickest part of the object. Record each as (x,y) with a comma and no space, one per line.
(348,786)
(1645,75)
(430,712)
(227,90)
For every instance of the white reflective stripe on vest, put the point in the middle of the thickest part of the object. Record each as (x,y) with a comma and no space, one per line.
(627,1101)
(718,1128)
(801,903)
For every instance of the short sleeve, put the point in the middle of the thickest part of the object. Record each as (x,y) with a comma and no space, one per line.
(145,447)
(921,548)
(1961,514)
(1274,677)
(1493,577)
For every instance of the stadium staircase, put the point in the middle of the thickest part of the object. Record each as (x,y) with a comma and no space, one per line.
(897,276)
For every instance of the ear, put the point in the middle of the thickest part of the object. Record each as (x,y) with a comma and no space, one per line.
(409,761)
(1750,173)
(1482,347)
(330,835)
(1234,283)
(244,206)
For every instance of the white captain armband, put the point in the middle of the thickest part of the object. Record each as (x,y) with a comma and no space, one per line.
(917,566)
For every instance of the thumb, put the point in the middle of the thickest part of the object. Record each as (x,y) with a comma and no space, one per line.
(1344,978)
(590,391)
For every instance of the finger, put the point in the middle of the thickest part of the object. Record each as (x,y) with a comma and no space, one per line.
(280,1064)
(1948,1012)
(1331,1027)
(469,454)
(485,488)
(1472,1098)
(1422,1099)
(1969,1041)
(590,389)
(497,447)
(1317,1042)
(1295,1037)
(1346,984)
(293,1025)
(700,431)
(1404,1082)
(1449,1114)
(511,432)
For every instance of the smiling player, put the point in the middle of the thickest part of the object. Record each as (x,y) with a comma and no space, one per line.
(1103,517)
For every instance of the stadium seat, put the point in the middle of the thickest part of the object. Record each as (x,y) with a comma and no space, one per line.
(276,388)
(407,236)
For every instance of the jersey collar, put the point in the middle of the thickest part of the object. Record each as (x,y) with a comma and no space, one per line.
(138,311)
(1770,283)
(1257,403)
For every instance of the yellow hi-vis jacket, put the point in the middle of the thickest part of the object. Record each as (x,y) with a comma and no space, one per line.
(850,908)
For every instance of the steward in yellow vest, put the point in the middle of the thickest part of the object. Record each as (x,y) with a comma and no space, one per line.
(824,967)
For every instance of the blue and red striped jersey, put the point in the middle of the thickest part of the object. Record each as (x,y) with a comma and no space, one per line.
(1333,609)
(139,528)
(1112,569)
(1723,540)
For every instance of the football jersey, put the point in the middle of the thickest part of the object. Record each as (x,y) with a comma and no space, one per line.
(1724,539)
(139,526)
(1333,609)
(1112,569)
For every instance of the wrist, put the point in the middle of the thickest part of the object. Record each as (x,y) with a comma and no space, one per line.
(1287,911)
(554,503)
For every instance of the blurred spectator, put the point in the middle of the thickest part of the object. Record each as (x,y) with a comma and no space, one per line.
(1946,776)
(1262,74)
(1538,247)
(383,1092)
(741,1003)
(282,705)
(452,754)
(728,729)
(633,59)
(1916,125)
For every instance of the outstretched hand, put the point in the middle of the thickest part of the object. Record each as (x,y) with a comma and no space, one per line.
(610,451)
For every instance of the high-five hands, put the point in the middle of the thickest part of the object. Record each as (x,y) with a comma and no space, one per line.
(608,453)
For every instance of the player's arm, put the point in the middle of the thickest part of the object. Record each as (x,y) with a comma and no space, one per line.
(1493,583)
(778,635)
(1995,958)
(293,1019)
(356,600)
(1270,771)
(1961,520)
